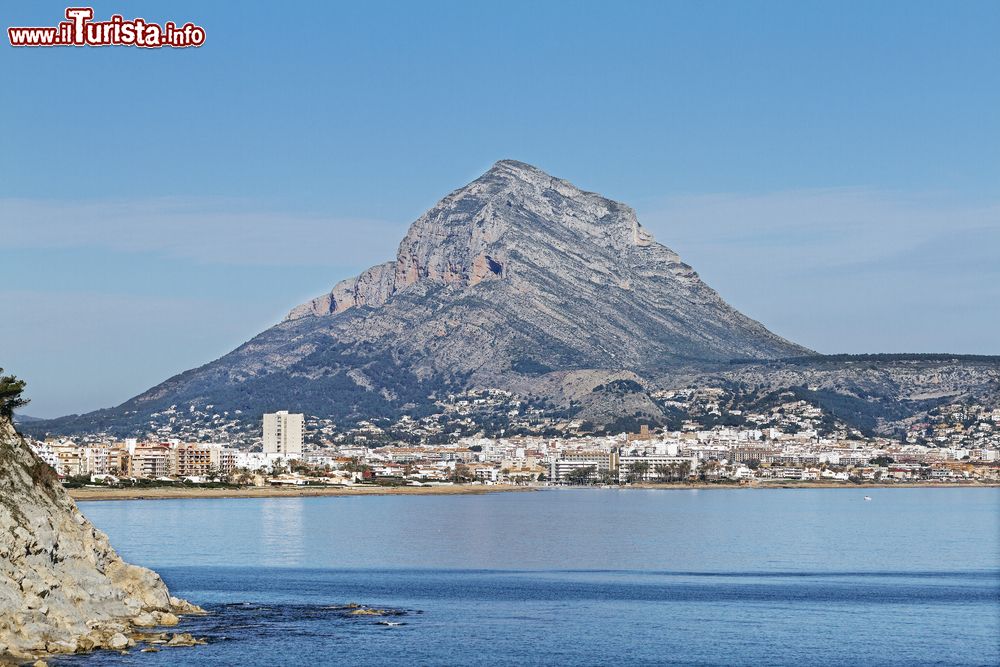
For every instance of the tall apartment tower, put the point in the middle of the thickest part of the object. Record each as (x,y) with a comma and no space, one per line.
(283,434)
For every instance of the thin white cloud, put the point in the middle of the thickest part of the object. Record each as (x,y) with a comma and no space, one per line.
(847,269)
(807,230)
(203,230)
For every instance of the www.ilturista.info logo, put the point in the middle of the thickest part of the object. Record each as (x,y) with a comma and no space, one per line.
(80,30)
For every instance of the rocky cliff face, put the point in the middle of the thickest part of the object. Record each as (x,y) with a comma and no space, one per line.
(63,589)
(514,276)
(573,263)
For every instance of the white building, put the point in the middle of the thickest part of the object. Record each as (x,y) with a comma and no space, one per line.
(655,466)
(94,460)
(283,434)
(45,452)
(256,460)
(568,461)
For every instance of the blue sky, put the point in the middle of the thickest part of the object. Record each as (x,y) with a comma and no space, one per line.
(830,168)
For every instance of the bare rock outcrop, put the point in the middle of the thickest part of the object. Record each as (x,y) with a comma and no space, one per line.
(475,232)
(63,589)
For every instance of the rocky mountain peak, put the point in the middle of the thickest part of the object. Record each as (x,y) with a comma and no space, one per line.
(490,228)
(550,201)
(509,282)
(516,169)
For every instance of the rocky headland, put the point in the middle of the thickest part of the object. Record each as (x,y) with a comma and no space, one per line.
(63,588)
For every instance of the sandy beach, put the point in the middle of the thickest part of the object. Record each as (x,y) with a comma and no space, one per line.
(163,493)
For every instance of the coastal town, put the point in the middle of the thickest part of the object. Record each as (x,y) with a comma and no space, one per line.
(793,443)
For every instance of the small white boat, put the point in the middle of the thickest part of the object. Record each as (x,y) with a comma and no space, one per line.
(868,497)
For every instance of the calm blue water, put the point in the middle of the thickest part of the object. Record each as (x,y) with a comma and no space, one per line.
(590,577)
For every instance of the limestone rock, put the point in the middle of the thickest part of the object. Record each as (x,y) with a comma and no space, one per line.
(63,588)
(165,618)
(184,639)
(144,620)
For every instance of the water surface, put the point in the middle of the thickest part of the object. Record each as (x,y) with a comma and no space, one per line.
(708,577)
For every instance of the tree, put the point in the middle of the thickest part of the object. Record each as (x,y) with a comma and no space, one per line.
(355,465)
(580,475)
(662,471)
(638,471)
(607,477)
(707,468)
(463,473)
(10,395)
(243,476)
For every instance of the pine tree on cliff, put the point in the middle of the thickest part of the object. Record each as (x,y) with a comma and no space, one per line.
(10,395)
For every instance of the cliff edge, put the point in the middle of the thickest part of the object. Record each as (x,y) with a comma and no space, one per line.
(63,589)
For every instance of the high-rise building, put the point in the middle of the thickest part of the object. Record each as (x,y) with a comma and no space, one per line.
(283,434)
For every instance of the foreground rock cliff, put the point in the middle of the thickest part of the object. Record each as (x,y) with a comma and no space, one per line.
(63,589)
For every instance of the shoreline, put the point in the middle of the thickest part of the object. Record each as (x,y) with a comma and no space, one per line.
(792,484)
(168,493)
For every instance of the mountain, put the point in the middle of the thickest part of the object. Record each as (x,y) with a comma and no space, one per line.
(24,419)
(518,280)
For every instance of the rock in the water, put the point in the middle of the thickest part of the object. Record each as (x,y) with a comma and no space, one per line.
(144,620)
(166,618)
(184,607)
(368,612)
(184,639)
(68,646)
(62,587)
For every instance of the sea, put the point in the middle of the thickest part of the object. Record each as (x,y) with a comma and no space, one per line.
(910,576)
